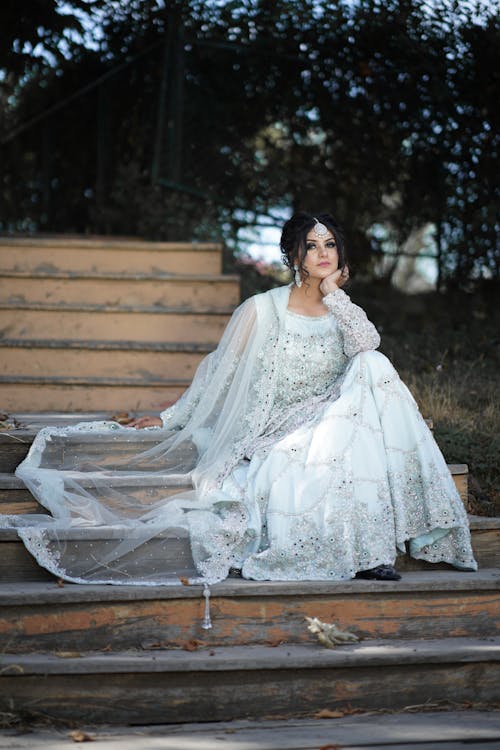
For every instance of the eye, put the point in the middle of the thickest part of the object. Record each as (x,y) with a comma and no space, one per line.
(310,246)
(332,243)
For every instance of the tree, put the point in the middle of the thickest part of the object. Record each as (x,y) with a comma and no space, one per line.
(198,118)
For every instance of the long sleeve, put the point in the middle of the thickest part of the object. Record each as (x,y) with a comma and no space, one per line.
(359,334)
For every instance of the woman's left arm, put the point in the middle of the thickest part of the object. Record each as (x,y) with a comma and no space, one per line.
(360,335)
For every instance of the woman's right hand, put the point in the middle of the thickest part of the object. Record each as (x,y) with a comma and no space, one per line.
(142,422)
(334,281)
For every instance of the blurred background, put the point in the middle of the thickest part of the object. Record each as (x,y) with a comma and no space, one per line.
(216,120)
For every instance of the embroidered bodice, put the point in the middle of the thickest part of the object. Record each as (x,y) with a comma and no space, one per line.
(311,358)
(316,349)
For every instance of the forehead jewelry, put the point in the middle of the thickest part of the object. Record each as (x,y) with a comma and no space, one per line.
(319,229)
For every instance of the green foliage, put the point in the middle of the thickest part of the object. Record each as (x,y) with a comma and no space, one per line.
(383,111)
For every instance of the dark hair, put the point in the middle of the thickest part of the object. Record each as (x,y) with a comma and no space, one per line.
(294,235)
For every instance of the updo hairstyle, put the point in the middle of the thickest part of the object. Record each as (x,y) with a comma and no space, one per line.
(294,234)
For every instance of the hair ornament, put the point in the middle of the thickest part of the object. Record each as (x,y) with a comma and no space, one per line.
(319,229)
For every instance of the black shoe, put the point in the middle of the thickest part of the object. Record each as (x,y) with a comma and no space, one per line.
(380,573)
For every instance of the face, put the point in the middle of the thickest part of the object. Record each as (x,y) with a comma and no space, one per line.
(321,258)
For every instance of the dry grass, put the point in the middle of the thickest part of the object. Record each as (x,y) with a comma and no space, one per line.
(467,428)
(446,350)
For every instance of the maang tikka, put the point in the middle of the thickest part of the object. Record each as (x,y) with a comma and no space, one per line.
(319,229)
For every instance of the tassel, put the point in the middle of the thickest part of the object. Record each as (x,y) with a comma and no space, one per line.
(207,622)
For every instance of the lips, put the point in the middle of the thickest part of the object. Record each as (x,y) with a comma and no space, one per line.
(325,263)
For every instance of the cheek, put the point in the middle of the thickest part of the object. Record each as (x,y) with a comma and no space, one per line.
(305,262)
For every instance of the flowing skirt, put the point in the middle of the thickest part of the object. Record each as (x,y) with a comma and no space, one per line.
(359,482)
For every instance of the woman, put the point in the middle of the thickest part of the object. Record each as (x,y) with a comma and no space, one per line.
(307,456)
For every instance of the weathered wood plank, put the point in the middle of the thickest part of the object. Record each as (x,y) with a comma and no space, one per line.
(13,555)
(60,621)
(272,683)
(15,567)
(445,730)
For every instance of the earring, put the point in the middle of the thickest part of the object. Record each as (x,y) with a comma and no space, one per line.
(298,280)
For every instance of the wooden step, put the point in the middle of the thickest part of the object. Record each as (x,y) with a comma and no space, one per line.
(429,727)
(45,616)
(144,361)
(15,444)
(249,681)
(174,550)
(194,292)
(16,499)
(111,323)
(13,493)
(105,255)
(73,394)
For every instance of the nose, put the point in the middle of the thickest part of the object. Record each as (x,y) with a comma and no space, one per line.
(323,250)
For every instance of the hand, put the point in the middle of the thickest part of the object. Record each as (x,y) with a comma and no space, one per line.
(142,422)
(334,281)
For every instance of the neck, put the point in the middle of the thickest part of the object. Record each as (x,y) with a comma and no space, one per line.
(307,299)
(309,292)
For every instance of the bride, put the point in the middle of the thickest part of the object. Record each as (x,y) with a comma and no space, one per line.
(296,454)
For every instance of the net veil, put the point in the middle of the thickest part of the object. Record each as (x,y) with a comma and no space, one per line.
(123,502)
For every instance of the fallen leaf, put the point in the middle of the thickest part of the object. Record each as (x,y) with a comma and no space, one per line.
(330,747)
(191,645)
(326,713)
(151,645)
(60,583)
(122,418)
(184,581)
(78,736)
(68,654)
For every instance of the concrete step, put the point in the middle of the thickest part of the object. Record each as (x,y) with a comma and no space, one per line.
(173,548)
(19,393)
(47,616)
(108,255)
(81,288)
(144,361)
(254,682)
(111,323)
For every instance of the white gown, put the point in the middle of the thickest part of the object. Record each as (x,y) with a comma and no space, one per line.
(337,474)
(340,486)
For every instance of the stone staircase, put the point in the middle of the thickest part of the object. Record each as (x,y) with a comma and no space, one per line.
(120,324)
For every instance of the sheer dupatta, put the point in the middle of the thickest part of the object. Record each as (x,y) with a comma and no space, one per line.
(122,501)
